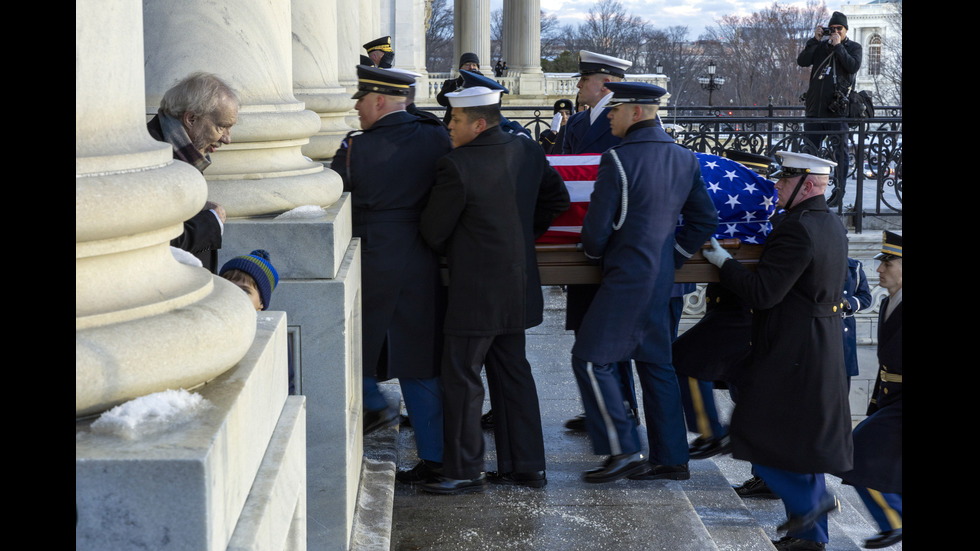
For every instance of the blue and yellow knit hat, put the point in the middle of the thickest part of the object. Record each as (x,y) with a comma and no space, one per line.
(257,265)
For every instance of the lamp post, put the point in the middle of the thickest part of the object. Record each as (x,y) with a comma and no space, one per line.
(711,82)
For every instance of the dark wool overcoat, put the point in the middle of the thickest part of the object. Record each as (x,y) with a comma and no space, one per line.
(878,439)
(492,197)
(389,170)
(792,411)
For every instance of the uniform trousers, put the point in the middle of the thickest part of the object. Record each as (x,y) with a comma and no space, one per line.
(885,508)
(801,493)
(613,430)
(625,369)
(700,412)
(423,401)
(513,397)
(836,135)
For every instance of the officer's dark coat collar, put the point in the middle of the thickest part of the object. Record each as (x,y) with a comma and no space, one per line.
(401,117)
(647,131)
(492,136)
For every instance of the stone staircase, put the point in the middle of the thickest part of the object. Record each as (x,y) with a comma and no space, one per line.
(700,514)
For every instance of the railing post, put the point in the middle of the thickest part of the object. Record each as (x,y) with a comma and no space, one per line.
(859,177)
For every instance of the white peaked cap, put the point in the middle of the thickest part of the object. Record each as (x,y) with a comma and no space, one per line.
(474,97)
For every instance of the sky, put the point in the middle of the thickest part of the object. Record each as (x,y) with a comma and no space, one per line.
(697,15)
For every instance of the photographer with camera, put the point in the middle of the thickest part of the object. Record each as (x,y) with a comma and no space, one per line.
(835,60)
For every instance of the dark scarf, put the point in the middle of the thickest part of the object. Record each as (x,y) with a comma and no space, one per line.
(173,133)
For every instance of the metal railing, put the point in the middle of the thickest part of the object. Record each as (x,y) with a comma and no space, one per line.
(874,145)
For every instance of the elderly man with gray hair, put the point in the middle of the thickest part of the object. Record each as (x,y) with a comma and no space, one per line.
(195,118)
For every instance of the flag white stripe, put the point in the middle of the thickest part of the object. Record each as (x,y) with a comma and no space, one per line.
(580,192)
(574,160)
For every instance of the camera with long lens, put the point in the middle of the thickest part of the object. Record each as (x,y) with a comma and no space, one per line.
(838,104)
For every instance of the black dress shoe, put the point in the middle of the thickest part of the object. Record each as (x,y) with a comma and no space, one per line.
(617,467)
(453,486)
(799,523)
(486,421)
(379,419)
(534,479)
(423,471)
(755,487)
(664,472)
(795,544)
(884,539)
(576,424)
(703,448)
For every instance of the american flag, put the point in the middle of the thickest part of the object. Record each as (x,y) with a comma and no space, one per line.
(744,199)
(579,173)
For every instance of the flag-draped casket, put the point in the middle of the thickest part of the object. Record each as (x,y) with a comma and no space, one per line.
(744,201)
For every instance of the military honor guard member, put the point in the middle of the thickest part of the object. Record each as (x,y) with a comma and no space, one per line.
(380,52)
(552,139)
(494,194)
(589,132)
(877,472)
(791,418)
(389,167)
(410,99)
(643,186)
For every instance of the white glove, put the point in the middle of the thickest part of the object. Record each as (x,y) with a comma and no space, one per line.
(556,122)
(716,255)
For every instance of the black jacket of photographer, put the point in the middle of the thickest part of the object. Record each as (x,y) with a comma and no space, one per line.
(843,59)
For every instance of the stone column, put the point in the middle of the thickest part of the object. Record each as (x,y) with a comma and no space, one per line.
(471,19)
(407,28)
(349,50)
(370,24)
(316,74)
(246,42)
(524,53)
(143,322)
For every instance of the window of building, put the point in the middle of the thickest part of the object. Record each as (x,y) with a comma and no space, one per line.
(874,55)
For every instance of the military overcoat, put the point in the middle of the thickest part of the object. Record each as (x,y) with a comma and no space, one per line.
(584,136)
(792,411)
(389,170)
(629,316)
(878,439)
(494,286)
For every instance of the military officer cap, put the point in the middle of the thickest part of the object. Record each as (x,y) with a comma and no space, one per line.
(472,80)
(891,246)
(758,163)
(591,62)
(565,104)
(474,97)
(640,93)
(383,44)
(381,81)
(794,164)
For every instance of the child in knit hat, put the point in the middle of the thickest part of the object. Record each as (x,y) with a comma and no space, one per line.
(254,274)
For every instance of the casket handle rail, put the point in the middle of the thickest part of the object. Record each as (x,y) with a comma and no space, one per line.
(566,264)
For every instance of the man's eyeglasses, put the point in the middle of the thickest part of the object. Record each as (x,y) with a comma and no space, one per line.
(836,28)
